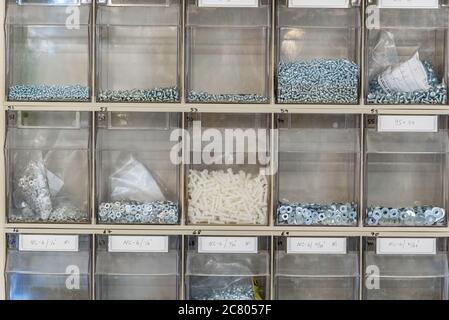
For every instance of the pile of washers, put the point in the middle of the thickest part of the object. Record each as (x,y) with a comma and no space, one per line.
(133,212)
(416,216)
(338,214)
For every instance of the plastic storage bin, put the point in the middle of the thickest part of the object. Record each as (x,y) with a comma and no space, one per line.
(227,268)
(137,180)
(48,50)
(319,171)
(48,166)
(228,51)
(138,50)
(405,275)
(405,52)
(317,268)
(48,267)
(228,166)
(137,267)
(406,170)
(318,52)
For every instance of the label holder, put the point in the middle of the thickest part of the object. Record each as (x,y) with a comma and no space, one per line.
(404,246)
(301,245)
(49,243)
(227,245)
(330,4)
(228,3)
(409,4)
(135,244)
(403,123)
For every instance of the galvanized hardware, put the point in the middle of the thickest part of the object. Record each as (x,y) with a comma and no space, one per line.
(328,81)
(416,216)
(338,214)
(437,94)
(133,212)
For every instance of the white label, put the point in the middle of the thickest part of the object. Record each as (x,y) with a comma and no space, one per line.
(229,3)
(420,4)
(407,124)
(316,245)
(318,4)
(138,244)
(406,246)
(31,242)
(227,245)
(409,76)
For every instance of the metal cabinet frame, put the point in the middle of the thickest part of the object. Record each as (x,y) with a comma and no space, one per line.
(186,108)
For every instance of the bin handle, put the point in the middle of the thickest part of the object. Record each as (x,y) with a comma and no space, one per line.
(76,124)
(116,3)
(52,2)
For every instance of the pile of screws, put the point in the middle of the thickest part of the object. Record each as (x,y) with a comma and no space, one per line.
(416,216)
(219,197)
(329,81)
(437,94)
(335,214)
(133,212)
(237,291)
(170,94)
(225,98)
(48,93)
(36,203)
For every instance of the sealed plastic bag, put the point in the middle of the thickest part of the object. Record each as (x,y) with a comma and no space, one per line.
(132,181)
(409,76)
(32,188)
(402,81)
(383,55)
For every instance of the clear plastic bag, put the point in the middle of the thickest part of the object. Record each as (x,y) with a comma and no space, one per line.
(32,191)
(51,176)
(402,80)
(383,55)
(132,181)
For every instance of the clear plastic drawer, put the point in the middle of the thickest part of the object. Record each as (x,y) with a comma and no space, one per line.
(317,268)
(318,52)
(43,36)
(405,52)
(227,268)
(137,179)
(228,52)
(406,170)
(48,166)
(48,267)
(405,269)
(138,50)
(228,169)
(137,267)
(319,171)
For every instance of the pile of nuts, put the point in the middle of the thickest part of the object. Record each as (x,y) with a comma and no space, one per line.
(416,216)
(170,94)
(327,81)
(133,212)
(437,94)
(206,97)
(335,214)
(48,93)
(219,197)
